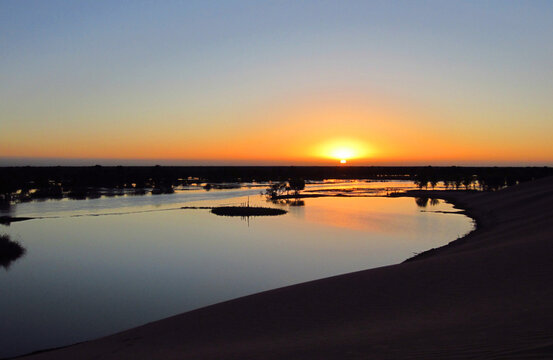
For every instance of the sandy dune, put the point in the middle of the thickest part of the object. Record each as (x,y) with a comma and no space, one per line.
(487,296)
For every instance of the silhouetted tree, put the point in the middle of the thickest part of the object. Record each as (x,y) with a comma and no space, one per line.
(276,190)
(421,182)
(491,182)
(433,182)
(467,182)
(458,182)
(296,185)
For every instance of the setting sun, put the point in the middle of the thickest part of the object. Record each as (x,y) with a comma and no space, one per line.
(343,150)
(343,153)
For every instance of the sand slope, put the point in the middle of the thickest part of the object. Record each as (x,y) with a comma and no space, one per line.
(488,296)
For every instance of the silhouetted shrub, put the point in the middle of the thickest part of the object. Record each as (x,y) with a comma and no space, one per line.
(296,185)
(9,251)
(275,190)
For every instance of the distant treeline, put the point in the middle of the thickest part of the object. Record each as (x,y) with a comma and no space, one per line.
(80,182)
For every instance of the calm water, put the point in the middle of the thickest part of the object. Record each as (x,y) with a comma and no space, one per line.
(95,267)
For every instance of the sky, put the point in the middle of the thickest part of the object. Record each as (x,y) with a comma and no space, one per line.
(276,82)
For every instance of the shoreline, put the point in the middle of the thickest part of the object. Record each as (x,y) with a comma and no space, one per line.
(485,295)
(455,198)
(7,220)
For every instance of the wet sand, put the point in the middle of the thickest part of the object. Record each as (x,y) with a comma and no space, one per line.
(488,295)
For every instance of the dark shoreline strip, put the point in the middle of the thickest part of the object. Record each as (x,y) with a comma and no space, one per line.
(246,211)
(7,220)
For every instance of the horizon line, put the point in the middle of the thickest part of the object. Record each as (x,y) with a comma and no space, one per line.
(55,161)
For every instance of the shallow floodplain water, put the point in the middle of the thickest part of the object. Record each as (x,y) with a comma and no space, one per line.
(88,276)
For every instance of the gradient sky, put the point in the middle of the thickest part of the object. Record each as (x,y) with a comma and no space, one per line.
(276,82)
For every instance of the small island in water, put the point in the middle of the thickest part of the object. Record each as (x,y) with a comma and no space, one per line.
(246,211)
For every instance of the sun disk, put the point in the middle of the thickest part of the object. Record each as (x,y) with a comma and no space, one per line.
(342,150)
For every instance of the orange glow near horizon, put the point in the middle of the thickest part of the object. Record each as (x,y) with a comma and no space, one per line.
(342,150)
(317,130)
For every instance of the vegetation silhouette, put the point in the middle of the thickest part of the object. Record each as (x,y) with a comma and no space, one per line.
(81,193)
(18,184)
(223,186)
(9,251)
(288,201)
(168,189)
(5,207)
(296,185)
(277,190)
